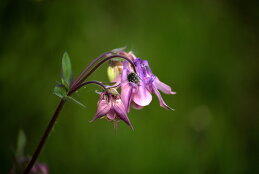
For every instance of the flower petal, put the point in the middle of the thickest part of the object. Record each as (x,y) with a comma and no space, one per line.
(117,80)
(161,101)
(135,106)
(102,110)
(121,112)
(147,68)
(126,89)
(163,87)
(142,96)
(126,95)
(111,115)
(124,74)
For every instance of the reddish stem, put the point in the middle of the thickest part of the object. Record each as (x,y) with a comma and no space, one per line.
(87,68)
(99,64)
(45,136)
(78,83)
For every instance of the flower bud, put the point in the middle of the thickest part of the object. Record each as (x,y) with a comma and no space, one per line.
(114,69)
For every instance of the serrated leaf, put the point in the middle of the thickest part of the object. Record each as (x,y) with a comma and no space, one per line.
(21,141)
(60,91)
(66,70)
(76,101)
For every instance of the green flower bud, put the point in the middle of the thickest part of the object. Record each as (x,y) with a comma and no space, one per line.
(114,69)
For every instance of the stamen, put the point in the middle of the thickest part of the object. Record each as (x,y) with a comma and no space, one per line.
(133,77)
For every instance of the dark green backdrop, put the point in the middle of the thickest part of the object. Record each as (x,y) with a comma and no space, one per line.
(206,50)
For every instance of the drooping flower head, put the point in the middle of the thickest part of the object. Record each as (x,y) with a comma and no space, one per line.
(152,82)
(133,88)
(110,106)
(134,79)
(136,87)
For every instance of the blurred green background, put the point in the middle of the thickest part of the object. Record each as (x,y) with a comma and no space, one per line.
(206,50)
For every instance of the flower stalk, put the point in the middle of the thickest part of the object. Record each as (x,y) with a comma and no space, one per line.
(45,136)
(88,67)
(97,66)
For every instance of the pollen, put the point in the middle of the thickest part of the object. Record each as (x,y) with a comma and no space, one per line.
(133,77)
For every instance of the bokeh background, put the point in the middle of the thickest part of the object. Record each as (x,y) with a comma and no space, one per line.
(206,50)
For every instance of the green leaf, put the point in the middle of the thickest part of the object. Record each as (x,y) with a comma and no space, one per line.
(66,70)
(21,141)
(76,101)
(60,91)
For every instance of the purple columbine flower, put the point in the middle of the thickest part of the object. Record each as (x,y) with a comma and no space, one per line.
(133,88)
(152,83)
(110,106)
